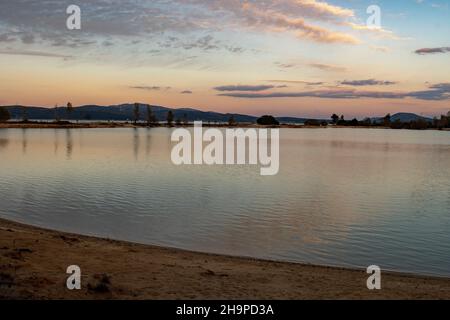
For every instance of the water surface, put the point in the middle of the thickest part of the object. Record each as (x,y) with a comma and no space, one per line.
(347,197)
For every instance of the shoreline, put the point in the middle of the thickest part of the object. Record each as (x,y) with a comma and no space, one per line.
(33,264)
(105,125)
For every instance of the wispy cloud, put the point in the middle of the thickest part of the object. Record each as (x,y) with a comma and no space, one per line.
(309,83)
(35,54)
(244,88)
(377,31)
(327,67)
(144,19)
(368,82)
(280,22)
(149,88)
(437,92)
(425,51)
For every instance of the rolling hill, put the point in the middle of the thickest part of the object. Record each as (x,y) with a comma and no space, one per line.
(125,112)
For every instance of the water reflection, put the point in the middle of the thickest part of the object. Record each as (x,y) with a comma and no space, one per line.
(69,144)
(148,141)
(55,141)
(4,141)
(24,141)
(136,143)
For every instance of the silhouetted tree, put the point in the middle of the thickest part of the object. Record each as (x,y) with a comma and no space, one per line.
(387,120)
(312,123)
(56,114)
(4,114)
(231,121)
(24,114)
(151,119)
(69,109)
(445,121)
(267,121)
(170,118)
(366,122)
(335,118)
(136,113)
(419,124)
(342,121)
(397,124)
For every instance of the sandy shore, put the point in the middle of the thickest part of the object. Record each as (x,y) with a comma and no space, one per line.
(33,263)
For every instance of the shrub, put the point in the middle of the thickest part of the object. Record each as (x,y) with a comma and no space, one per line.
(267,121)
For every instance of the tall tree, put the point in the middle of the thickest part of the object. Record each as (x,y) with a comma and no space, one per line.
(136,112)
(24,114)
(170,118)
(231,121)
(69,109)
(56,113)
(4,114)
(151,119)
(335,118)
(387,120)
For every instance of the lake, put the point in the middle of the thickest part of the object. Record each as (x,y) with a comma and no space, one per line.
(345,197)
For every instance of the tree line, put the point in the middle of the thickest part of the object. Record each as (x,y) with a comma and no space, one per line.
(387,122)
(150,119)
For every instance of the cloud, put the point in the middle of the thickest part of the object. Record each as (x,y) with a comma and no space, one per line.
(377,31)
(309,83)
(107,43)
(34,54)
(437,92)
(244,88)
(278,22)
(186,92)
(150,88)
(308,8)
(285,65)
(234,49)
(6,38)
(327,67)
(380,48)
(425,51)
(203,43)
(145,19)
(25,38)
(368,82)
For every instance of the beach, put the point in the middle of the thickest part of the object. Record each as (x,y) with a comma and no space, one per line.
(34,261)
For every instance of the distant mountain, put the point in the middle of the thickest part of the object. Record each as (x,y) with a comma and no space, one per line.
(125,112)
(404,117)
(291,120)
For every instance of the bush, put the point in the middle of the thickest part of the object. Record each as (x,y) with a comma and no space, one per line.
(4,114)
(267,121)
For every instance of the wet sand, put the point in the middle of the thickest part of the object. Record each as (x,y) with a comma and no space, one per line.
(33,265)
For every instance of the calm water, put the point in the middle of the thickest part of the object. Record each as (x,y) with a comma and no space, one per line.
(345,197)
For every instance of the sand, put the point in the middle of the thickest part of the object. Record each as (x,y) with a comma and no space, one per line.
(33,265)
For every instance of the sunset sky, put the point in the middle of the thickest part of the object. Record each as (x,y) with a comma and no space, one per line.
(282,57)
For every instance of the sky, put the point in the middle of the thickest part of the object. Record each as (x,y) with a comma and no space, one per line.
(304,58)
